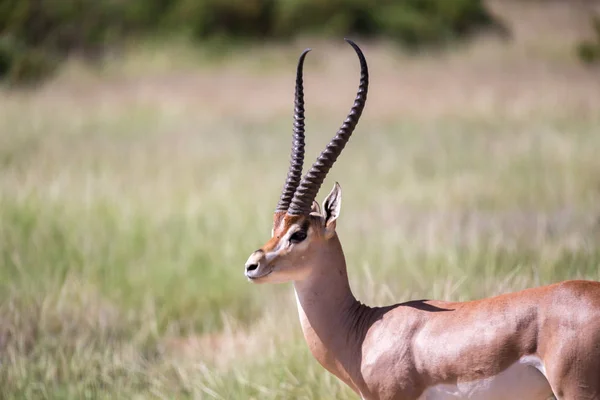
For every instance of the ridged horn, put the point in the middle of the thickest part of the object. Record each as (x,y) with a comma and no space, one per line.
(297,157)
(312,181)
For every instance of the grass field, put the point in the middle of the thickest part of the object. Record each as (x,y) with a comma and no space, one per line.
(131,197)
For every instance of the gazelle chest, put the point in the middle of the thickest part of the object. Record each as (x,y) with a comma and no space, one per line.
(523,380)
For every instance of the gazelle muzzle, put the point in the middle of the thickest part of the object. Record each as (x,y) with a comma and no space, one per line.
(256,266)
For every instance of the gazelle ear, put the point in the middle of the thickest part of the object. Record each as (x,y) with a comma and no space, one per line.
(332,206)
(316,208)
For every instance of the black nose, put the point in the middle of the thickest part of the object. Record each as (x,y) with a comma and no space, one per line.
(251,267)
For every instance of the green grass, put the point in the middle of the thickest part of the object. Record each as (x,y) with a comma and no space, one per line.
(129,204)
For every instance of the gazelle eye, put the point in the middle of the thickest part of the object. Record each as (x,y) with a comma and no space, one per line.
(298,236)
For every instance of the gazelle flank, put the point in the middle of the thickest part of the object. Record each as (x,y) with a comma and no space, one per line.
(532,344)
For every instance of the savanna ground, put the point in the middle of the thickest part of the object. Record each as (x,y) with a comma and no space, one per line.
(131,196)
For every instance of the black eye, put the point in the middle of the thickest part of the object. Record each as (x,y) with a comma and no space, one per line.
(298,236)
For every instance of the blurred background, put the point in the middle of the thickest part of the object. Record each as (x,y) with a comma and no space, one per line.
(144,145)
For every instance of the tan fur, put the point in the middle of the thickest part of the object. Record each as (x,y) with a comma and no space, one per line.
(399,351)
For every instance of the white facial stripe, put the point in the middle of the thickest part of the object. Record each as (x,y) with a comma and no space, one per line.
(282,244)
(270,256)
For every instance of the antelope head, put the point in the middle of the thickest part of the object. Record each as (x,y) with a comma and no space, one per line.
(302,232)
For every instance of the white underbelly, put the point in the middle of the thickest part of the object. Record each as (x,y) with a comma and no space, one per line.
(525,379)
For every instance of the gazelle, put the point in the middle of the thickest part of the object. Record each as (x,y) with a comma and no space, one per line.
(531,344)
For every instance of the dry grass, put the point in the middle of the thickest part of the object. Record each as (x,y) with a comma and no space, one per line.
(130,198)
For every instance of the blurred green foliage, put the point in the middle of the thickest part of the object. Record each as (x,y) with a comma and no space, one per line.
(22,64)
(589,50)
(36,34)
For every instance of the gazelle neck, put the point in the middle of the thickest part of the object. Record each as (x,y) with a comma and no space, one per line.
(333,321)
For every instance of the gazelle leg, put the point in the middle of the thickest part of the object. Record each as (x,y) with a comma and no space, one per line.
(576,380)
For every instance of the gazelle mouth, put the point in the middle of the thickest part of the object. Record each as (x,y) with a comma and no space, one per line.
(253,277)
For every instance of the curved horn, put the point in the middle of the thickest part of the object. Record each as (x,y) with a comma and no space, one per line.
(309,187)
(297,158)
